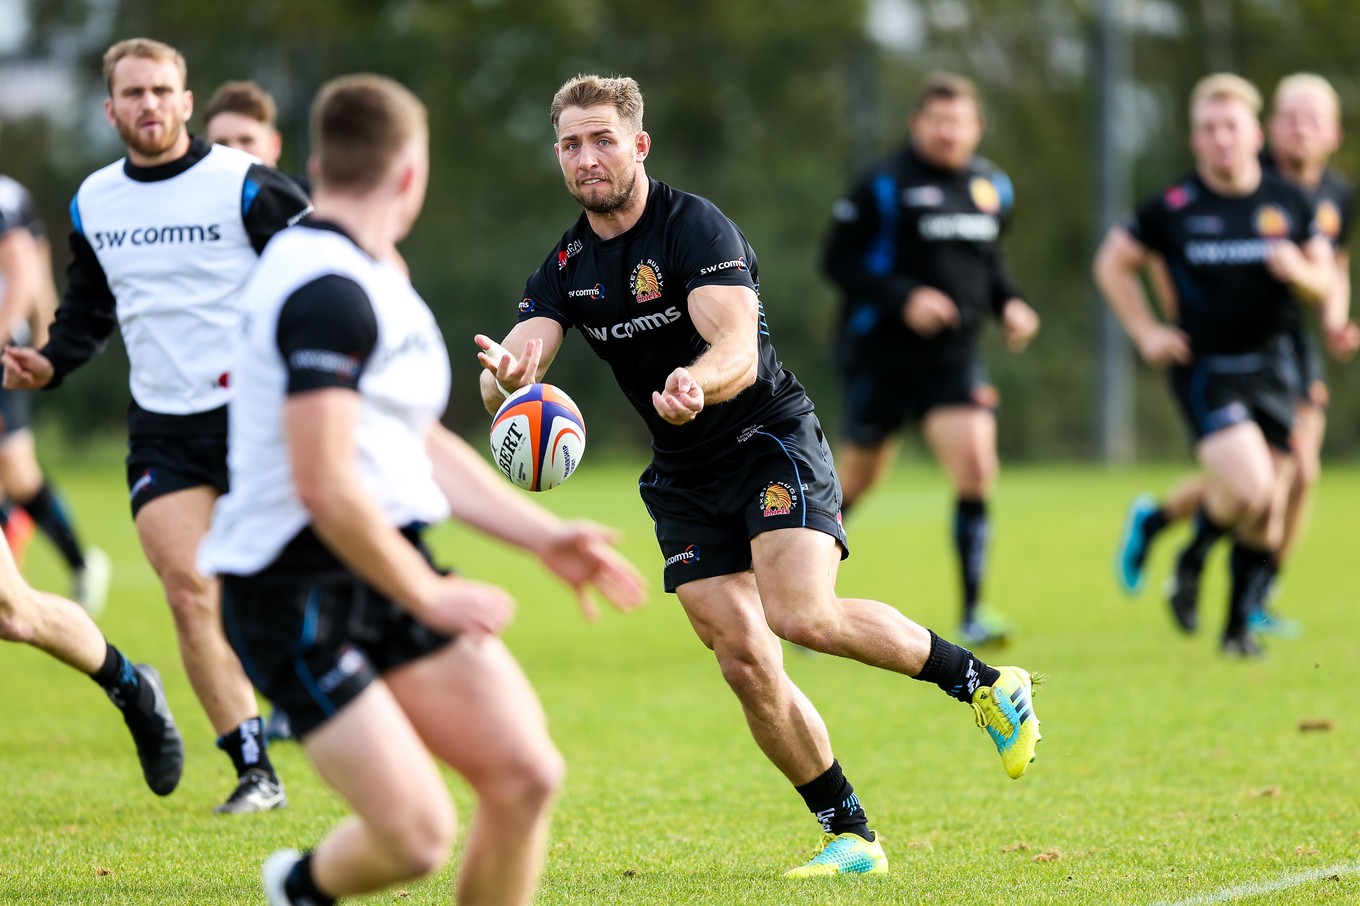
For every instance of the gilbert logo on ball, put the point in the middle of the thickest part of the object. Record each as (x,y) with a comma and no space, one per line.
(537,437)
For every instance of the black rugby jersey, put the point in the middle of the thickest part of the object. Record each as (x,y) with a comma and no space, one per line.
(906,224)
(1215,248)
(629,297)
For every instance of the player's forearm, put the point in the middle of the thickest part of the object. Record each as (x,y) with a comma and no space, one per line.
(1126,299)
(481,498)
(726,369)
(492,397)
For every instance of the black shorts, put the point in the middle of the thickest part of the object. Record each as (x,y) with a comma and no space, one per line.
(877,405)
(161,464)
(1312,376)
(15,406)
(1217,392)
(312,636)
(778,476)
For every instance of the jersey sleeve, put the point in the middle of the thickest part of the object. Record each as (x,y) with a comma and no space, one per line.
(87,315)
(1346,203)
(1148,225)
(326,332)
(859,255)
(709,250)
(270,201)
(543,297)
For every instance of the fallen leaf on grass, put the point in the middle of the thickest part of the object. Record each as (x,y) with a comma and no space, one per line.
(101,872)
(920,844)
(1321,725)
(1305,851)
(1051,855)
(1269,792)
(1021,846)
(630,872)
(402,894)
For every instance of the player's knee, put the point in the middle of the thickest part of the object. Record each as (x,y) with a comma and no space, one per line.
(14,625)
(192,599)
(420,844)
(1306,471)
(748,673)
(808,627)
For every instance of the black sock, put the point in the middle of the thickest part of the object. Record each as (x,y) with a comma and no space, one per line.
(301,887)
(956,670)
(246,746)
(1153,525)
(1251,569)
(50,516)
(971,531)
(120,680)
(833,802)
(1206,533)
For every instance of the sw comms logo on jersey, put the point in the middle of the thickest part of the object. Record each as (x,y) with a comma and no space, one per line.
(1329,220)
(647,281)
(565,255)
(778,499)
(985,195)
(526,305)
(738,263)
(595,292)
(1272,222)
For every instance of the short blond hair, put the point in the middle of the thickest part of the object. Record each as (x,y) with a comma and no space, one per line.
(621,93)
(1225,85)
(1307,82)
(147,49)
(360,124)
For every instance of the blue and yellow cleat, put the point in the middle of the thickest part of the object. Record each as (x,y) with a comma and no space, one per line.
(843,854)
(1132,553)
(1005,710)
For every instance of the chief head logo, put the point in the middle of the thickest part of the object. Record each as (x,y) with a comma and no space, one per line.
(776,499)
(1271,222)
(647,281)
(1329,220)
(985,196)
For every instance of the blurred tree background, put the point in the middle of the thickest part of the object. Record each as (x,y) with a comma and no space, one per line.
(767,107)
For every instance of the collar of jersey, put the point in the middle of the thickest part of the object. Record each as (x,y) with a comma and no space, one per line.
(198,149)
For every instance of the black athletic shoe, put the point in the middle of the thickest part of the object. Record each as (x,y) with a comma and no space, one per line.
(255,791)
(1182,593)
(1245,645)
(159,745)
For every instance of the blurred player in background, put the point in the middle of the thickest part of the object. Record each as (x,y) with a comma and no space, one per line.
(338,461)
(63,630)
(162,242)
(741,486)
(1240,245)
(1304,131)
(27,298)
(915,252)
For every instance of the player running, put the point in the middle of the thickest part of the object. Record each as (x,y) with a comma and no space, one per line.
(915,251)
(162,242)
(741,487)
(1304,130)
(1240,246)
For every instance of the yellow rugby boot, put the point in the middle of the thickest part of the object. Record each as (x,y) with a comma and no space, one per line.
(840,854)
(1005,710)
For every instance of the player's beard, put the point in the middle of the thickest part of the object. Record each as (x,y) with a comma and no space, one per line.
(611,202)
(172,126)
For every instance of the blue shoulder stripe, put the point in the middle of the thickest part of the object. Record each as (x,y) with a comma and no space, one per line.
(75,215)
(248,193)
(1005,190)
(880,257)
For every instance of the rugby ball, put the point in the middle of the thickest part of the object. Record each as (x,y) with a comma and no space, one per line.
(537,437)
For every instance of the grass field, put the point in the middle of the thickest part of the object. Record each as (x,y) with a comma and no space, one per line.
(1166,775)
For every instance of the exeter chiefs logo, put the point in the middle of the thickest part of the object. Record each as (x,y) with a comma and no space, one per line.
(1271,222)
(984,195)
(778,499)
(647,281)
(1329,220)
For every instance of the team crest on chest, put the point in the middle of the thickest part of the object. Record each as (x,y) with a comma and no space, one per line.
(1329,219)
(778,499)
(1272,222)
(647,281)
(984,194)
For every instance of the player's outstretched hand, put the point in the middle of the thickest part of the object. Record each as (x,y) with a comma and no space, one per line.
(929,311)
(682,399)
(581,554)
(26,369)
(1343,341)
(1020,323)
(467,607)
(510,372)
(1163,345)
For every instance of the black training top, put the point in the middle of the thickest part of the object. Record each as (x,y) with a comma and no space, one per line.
(1215,247)
(908,223)
(629,296)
